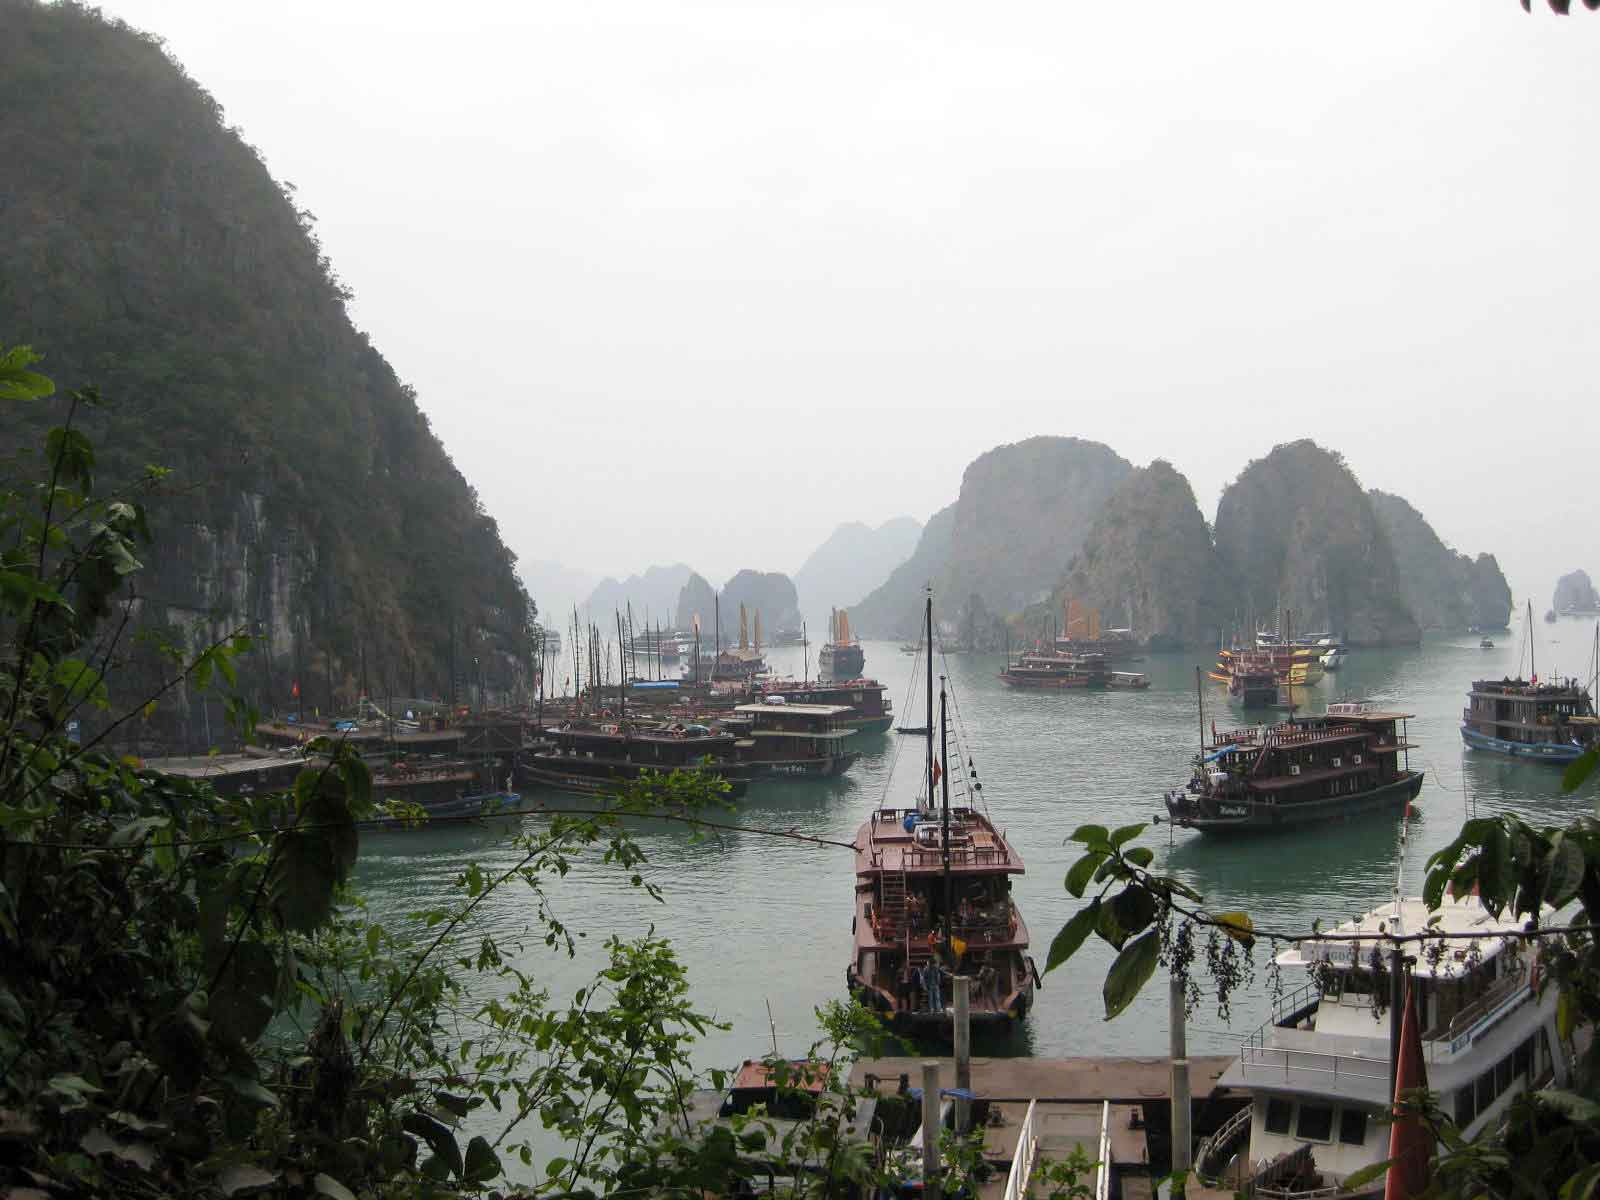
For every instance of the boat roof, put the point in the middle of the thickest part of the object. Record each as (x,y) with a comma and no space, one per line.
(805,710)
(1466,915)
(1521,687)
(884,844)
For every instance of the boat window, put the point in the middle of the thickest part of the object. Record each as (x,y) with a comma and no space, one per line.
(1485,1090)
(1316,1123)
(1353,1126)
(1278,1114)
(1524,1059)
(1466,1107)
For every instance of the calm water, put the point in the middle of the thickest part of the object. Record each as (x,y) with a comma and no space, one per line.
(761,921)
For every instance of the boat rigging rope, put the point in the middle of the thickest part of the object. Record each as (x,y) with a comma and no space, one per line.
(899,742)
(975,797)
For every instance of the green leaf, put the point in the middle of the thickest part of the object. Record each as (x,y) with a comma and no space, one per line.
(1071,936)
(1582,1185)
(1495,881)
(19,383)
(251,1090)
(1579,769)
(1129,972)
(1091,835)
(482,1163)
(1564,865)
(1126,834)
(439,1138)
(1078,877)
(1367,1174)
(1570,1104)
(1135,908)
(1238,926)
(244,1179)
(327,1185)
(240,1007)
(1140,856)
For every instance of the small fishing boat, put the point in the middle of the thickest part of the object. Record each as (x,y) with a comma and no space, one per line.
(1486,644)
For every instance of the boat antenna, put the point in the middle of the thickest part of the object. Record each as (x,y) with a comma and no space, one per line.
(1200,705)
(772,1025)
(929,621)
(944,779)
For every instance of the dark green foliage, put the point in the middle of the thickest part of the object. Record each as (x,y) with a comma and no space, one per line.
(144,246)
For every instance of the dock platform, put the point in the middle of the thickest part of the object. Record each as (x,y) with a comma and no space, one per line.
(1058,1080)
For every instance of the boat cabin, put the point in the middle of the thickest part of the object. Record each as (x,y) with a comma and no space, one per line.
(789,738)
(1530,719)
(1318,1070)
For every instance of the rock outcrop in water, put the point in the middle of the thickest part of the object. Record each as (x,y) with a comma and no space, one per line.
(1576,592)
(696,599)
(1443,590)
(1022,514)
(1297,531)
(145,249)
(770,593)
(1148,563)
(854,560)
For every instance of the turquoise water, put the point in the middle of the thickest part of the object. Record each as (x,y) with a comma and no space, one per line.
(761,921)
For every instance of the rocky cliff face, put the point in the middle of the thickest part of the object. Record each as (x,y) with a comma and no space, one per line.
(854,560)
(145,249)
(1297,531)
(770,593)
(1148,563)
(653,592)
(894,608)
(1576,591)
(1442,589)
(696,599)
(1022,514)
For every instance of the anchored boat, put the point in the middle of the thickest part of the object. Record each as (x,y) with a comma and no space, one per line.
(933,897)
(1304,771)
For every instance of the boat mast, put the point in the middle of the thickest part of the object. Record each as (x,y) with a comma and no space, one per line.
(1533,671)
(717,602)
(944,781)
(1200,705)
(929,738)
(805,656)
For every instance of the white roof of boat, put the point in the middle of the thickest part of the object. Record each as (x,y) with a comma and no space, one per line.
(1467,915)
(813,710)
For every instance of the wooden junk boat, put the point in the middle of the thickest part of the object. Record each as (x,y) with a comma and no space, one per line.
(841,656)
(779,738)
(1251,678)
(590,758)
(870,710)
(933,892)
(1305,771)
(1552,722)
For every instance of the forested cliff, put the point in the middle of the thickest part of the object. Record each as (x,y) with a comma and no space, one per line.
(145,249)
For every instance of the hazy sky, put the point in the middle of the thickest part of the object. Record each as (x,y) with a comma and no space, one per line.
(699,281)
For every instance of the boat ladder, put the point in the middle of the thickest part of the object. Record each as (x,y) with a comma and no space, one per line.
(892,903)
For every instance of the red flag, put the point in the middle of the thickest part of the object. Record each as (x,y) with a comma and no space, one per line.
(938,772)
(1410,1143)
(295,690)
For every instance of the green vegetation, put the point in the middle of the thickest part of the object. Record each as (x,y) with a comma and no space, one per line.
(195,1003)
(144,245)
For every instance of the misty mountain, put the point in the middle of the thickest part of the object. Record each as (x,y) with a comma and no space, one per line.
(556,588)
(654,593)
(1022,514)
(1297,531)
(1443,589)
(1148,563)
(853,561)
(1575,591)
